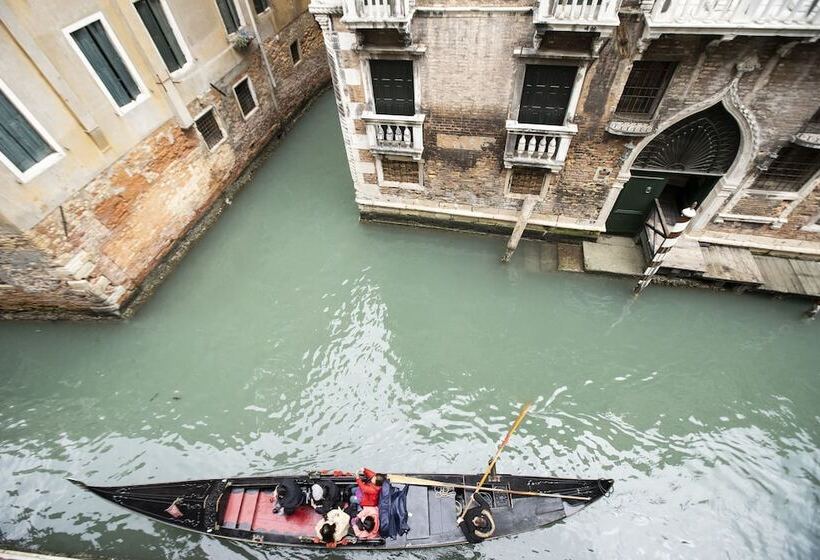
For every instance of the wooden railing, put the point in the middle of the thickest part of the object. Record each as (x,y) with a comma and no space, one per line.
(734,14)
(394,134)
(376,10)
(578,12)
(537,145)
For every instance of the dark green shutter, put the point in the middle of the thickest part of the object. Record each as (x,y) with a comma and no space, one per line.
(18,140)
(153,16)
(227,9)
(107,63)
(546,93)
(393,86)
(260,5)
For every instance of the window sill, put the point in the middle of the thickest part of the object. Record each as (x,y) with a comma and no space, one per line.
(127,108)
(249,115)
(403,186)
(38,168)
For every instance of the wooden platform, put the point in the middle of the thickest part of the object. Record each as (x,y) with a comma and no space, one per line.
(731,264)
(686,255)
(789,276)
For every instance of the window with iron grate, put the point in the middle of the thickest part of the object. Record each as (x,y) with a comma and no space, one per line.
(245,96)
(208,127)
(645,87)
(794,166)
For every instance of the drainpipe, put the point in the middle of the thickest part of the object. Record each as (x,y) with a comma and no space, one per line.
(527,208)
(265,60)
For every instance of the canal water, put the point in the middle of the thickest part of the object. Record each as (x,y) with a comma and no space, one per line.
(294,337)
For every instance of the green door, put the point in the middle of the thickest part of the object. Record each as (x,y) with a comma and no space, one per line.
(633,204)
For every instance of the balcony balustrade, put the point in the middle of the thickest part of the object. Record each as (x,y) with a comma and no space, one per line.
(736,17)
(394,134)
(537,145)
(809,136)
(376,13)
(578,15)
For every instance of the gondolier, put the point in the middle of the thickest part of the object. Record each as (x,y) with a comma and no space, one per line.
(477,523)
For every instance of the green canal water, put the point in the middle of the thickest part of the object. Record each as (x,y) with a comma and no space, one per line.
(294,337)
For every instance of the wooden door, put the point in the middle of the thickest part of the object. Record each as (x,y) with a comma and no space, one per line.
(633,204)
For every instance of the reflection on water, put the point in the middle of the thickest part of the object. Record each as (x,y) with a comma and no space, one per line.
(294,337)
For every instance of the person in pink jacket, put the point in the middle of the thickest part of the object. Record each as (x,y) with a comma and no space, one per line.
(366,523)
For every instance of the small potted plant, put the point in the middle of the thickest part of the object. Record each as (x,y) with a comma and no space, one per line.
(241,39)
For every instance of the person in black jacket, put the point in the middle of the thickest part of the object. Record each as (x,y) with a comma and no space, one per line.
(288,497)
(477,523)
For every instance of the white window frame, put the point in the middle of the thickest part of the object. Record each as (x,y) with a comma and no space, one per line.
(367,80)
(508,184)
(396,184)
(814,224)
(46,162)
(239,13)
(98,16)
(189,61)
(581,66)
(218,123)
(263,12)
(253,94)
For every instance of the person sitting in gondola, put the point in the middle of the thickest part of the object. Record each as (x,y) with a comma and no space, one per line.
(333,528)
(366,523)
(369,485)
(324,496)
(477,523)
(289,496)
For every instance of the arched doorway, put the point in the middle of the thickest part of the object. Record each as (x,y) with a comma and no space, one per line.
(678,167)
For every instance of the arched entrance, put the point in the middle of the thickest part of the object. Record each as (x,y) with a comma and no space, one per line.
(678,167)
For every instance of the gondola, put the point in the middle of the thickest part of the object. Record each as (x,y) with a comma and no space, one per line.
(242,509)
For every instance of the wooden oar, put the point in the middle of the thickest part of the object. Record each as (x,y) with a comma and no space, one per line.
(412,480)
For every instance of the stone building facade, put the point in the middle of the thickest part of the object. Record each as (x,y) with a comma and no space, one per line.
(125,121)
(573,118)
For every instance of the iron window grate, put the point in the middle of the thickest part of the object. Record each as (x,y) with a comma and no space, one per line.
(244,95)
(208,127)
(644,88)
(789,172)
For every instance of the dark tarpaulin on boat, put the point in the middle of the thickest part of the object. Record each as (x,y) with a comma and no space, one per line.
(393,511)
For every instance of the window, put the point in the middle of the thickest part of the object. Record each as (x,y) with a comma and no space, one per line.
(393,92)
(156,20)
(793,167)
(245,96)
(399,173)
(230,15)
(25,147)
(294,52)
(546,94)
(102,54)
(209,128)
(645,86)
(260,5)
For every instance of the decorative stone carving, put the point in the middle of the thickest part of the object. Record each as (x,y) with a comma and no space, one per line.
(630,128)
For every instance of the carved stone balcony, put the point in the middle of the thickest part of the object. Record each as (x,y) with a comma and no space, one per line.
(578,15)
(395,134)
(809,136)
(377,14)
(537,145)
(623,125)
(794,18)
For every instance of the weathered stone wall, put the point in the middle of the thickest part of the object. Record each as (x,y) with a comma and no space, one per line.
(92,254)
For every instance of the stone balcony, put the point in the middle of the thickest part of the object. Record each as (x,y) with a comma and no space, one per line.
(395,135)
(538,145)
(578,15)
(377,14)
(794,18)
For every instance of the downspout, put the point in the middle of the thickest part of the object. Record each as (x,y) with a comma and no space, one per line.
(265,60)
